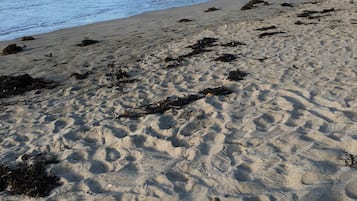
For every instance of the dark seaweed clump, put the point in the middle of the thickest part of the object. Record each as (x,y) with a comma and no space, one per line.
(233,44)
(15,85)
(350,160)
(79,76)
(266,28)
(87,42)
(197,48)
(185,20)
(203,43)
(311,14)
(27,38)
(218,91)
(118,76)
(303,23)
(226,58)
(171,102)
(287,5)
(212,9)
(11,49)
(29,179)
(252,3)
(176,102)
(237,75)
(270,34)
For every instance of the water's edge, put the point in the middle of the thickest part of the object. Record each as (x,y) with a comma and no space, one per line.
(12,29)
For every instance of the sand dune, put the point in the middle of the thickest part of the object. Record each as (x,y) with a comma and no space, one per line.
(282,135)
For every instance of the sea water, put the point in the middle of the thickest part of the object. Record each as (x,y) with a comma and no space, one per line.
(29,17)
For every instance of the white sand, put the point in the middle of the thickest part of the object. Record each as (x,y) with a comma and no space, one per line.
(281,135)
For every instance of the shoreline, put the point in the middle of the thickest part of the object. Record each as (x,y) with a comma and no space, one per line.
(63,26)
(253,105)
(158,27)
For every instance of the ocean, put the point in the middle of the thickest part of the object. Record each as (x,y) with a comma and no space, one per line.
(24,17)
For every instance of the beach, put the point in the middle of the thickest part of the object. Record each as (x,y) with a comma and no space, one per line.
(191,103)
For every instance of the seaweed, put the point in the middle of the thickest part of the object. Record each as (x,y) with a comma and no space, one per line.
(171,102)
(185,20)
(303,23)
(287,5)
(120,77)
(310,14)
(218,91)
(87,42)
(175,102)
(211,9)
(203,43)
(270,33)
(350,160)
(233,44)
(237,75)
(27,38)
(251,4)
(226,58)
(266,28)
(29,177)
(12,49)
(15,85)
(80,76)
(198,48)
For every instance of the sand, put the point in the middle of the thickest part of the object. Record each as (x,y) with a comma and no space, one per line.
(282,135)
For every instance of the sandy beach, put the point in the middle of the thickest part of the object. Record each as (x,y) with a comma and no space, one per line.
(183,104)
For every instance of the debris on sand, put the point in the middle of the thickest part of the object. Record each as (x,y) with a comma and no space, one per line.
(311,14)
(303,23)
(237,75)
(270,33)
(203,43)
(118,76)
(11,49)
(79,76)
(176,102)
(27,38)
(198,48)
(211,9)
(286,5)
(185,20)
(266,28)
(233,44)
(29,177)
(218,91)
(87,42)
(15,85)
(226,58)
(251,4)
(350,160)
(171,102)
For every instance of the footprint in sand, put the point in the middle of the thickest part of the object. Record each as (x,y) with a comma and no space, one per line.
(98,167)
(243,173)
(111,154)
(94,186)
(76,157)
(138,140)
(59,125)
(176,177)
(351,190)
(264,122)
(166,122)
